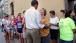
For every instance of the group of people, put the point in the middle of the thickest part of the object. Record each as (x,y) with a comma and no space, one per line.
(35,27)
(13,27)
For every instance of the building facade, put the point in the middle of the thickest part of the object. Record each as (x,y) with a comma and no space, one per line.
(5,4)
(3,8)
(18,6)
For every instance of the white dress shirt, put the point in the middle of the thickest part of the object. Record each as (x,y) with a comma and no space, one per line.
(32,19)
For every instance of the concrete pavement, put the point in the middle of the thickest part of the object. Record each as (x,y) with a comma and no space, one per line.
(2,39)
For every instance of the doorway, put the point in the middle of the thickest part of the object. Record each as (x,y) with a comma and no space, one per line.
(12,8)
(69,5)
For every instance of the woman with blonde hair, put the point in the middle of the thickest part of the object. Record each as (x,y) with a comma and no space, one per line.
(9,29)
(45,36)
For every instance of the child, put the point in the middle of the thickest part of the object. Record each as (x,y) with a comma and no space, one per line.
(24,28)
(19,29)
(24,31)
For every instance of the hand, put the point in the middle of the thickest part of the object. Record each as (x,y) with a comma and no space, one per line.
(41,22)
(46,26)
(52,24)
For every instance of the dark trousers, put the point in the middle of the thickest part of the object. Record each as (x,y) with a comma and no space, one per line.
(63,41)
(2,28)
(45,39)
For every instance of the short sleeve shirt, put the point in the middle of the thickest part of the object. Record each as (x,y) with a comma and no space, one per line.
(66,29)
(16,19)
(4,21)
(19,25)
(54,20)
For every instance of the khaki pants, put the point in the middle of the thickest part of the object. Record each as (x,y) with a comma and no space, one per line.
(33,36)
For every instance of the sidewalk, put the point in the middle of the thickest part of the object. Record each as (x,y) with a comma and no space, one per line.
(2,39)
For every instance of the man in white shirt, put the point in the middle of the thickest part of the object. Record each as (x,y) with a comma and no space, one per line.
(32,20)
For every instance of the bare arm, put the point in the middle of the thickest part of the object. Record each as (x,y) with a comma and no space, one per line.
(12,23)
(57,22)
(16,28)
(74,30)
(24,28)
(8,23)
(23,21)
(54,24)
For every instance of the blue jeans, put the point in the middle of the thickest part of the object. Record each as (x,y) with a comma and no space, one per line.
(2,29)
(63,41)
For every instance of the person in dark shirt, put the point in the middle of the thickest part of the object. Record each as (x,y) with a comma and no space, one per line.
(73,16)
(19,29)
